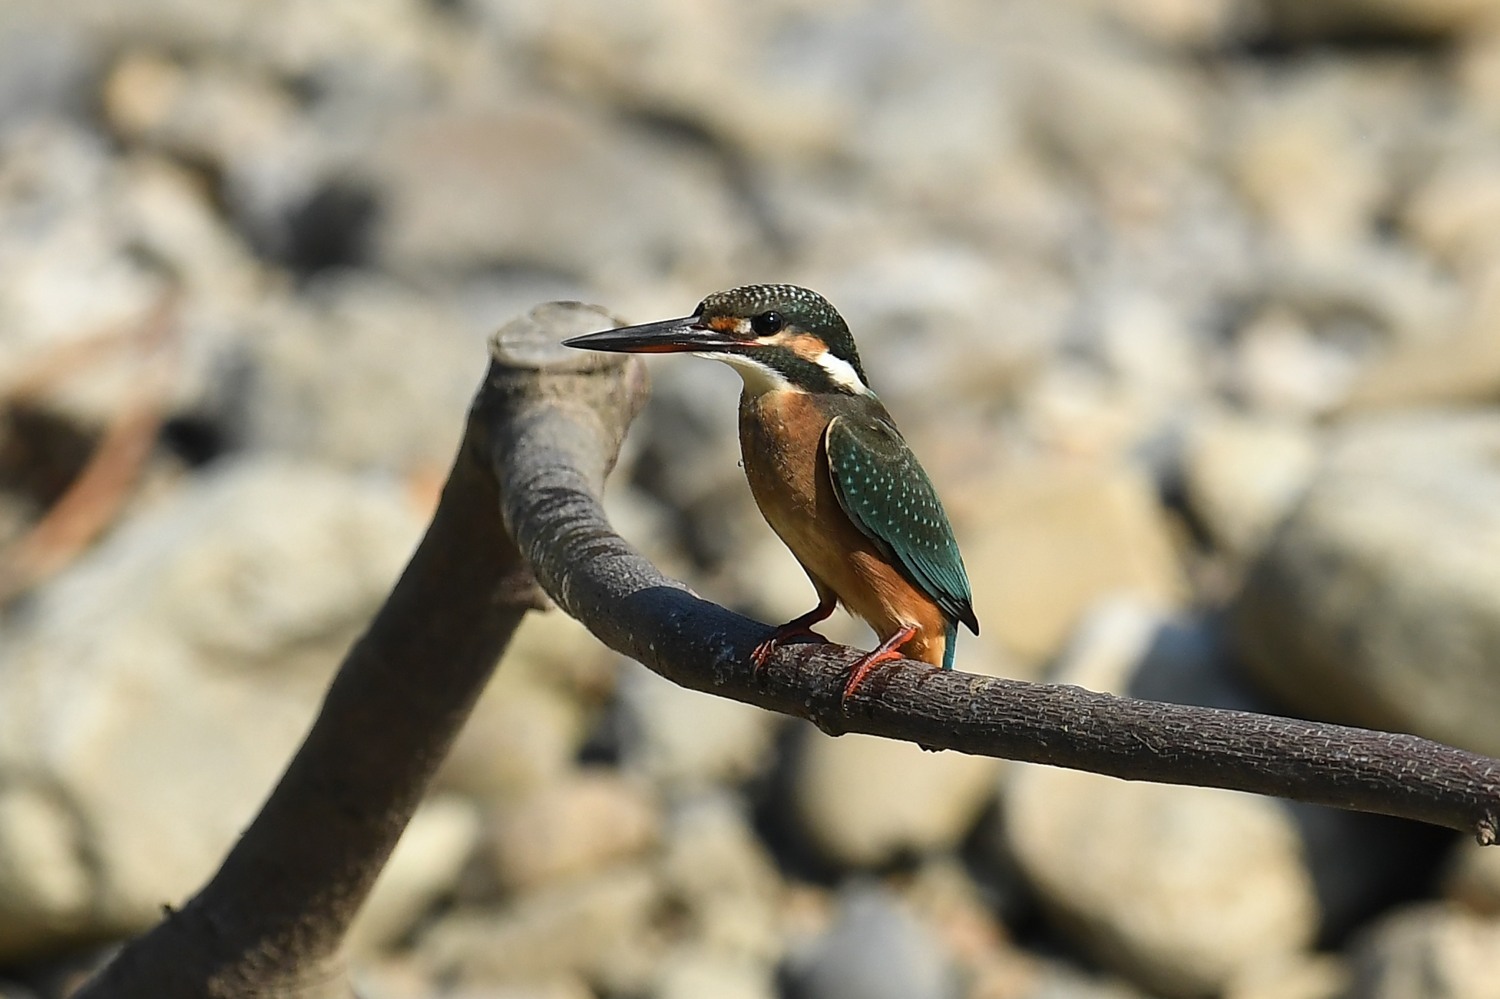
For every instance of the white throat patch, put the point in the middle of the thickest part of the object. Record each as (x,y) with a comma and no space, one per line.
(842,373)
(758,378)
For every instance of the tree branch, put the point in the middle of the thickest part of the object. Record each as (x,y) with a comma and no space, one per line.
(270,922)
(542,434)
(555,517)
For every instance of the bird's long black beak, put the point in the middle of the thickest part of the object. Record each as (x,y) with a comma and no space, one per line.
(669,336)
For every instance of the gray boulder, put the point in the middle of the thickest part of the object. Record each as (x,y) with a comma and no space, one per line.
(1377,603)
(875,950)
(1180,888)
(1428,952)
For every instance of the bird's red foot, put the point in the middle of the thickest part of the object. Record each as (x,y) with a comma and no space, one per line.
(888,650)
(785,633)
(794,628)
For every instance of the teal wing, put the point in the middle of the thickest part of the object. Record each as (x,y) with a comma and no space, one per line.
(886,493)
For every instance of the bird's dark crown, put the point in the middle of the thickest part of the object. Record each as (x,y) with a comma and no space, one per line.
(789,326)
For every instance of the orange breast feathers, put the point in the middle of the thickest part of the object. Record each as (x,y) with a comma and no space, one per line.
(781,439)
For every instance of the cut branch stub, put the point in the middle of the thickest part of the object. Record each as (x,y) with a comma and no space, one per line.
(534,373)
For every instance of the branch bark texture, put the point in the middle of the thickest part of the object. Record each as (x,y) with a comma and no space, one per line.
(545,463)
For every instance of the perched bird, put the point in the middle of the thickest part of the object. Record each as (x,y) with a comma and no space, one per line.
(829,470)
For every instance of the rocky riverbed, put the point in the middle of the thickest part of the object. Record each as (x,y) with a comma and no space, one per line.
(1191,307)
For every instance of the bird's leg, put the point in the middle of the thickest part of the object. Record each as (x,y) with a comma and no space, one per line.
(796,626)
(884,653)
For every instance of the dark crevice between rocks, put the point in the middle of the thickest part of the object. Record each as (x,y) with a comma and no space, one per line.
(216,426)
(609,739)
(1357,41)
(772,814)
(987,859)
(335,227)
(41,452)
(195,439)
(1371,864)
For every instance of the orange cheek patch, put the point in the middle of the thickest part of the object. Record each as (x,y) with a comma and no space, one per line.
(804,346)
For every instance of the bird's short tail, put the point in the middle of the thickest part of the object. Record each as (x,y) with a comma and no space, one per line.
(950,644)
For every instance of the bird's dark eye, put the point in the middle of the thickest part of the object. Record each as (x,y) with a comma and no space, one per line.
(767,323)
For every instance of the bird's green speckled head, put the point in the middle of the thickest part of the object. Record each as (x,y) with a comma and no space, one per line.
(787,312)
(778,336)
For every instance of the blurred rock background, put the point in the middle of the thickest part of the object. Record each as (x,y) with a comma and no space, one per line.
(1189,306)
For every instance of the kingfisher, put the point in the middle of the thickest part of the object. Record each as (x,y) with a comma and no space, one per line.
(828,469)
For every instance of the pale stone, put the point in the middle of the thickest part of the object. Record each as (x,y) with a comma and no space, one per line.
(339,379)
(1456,212)
(1472,878)
(45,881)
(689,738)
(1378,601)
(725,880)
(1242,476)
(864,800)
(1188,23)
(1458,365)
(518,739)
(1302,165)
(1181,888)
(597,929)
(1050,541)
(571,829)
(1303,977)
(1281,366)
(876,949)
(549,184)
(210,111)
(1428,952)
(534,716)
(696,975)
